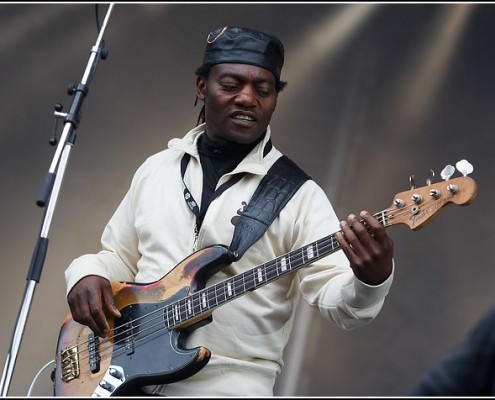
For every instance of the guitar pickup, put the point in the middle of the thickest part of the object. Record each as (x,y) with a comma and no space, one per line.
(94,353)
(129,345)
(124,335)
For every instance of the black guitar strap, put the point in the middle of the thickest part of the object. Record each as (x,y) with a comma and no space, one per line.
(283,179)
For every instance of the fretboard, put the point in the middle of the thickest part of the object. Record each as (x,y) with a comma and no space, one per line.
(220,293)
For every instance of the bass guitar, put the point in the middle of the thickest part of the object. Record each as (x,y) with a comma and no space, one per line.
(145,345)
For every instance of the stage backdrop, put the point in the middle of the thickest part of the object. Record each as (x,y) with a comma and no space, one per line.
(376,93)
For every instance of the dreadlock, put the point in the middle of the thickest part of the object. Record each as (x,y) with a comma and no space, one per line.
(201,116)
(203,71)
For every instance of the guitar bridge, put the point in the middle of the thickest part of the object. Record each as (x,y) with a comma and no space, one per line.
(69,359)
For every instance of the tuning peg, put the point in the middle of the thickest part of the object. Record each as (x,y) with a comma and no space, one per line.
(464,167)
(412,181)
(447,172)
(430,177)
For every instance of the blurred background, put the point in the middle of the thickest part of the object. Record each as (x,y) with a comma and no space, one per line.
(376,92)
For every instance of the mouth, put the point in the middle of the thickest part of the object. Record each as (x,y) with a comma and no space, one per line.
(243,117)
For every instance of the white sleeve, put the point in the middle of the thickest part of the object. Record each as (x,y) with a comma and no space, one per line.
(119,253)
(329,284)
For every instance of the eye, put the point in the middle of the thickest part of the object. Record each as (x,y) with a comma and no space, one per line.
(229,86)
(263,92)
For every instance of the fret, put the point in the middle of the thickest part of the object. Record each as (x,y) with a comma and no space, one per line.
(309,252)
(176,314)
(283,264)
(189,306)
(322,246)
(289,262)
(276,267)
(194,303)
(216,296)
(251,282)
(199,298)
(230,289)
(219,293)
(259,276)
(167,320)
(249,279)
(210,297)
(271,271)
(254,277)
(243,283)
(184,311)
(335,244)
(204,301)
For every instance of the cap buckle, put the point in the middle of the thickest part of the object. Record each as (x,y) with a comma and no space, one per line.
(211,38)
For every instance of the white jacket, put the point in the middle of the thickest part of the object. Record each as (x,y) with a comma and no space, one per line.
(152,230)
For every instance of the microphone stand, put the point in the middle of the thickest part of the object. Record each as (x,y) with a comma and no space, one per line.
(52,183)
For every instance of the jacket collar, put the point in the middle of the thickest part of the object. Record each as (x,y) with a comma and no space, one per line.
(254,162)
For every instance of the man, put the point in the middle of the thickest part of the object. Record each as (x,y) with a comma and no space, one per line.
(469,370)
(190,196)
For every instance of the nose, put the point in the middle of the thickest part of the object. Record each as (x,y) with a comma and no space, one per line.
(247,97)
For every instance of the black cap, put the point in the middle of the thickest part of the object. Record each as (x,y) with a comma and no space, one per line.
(244,46)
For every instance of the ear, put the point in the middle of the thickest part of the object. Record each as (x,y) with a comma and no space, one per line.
(200,88)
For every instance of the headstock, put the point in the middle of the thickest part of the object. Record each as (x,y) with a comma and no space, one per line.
(418,206)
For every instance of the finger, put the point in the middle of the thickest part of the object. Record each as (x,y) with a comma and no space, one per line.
(356,233)
(378,243)
(345,237)
(375,228)
(100,320)
(110,303)
(81,312)
(365,230)
(344,245)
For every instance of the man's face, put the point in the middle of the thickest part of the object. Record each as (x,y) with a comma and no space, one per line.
(239,102)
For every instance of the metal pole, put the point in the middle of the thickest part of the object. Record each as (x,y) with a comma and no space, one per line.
(49,192)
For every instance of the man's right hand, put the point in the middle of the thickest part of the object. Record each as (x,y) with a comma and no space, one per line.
(91,301)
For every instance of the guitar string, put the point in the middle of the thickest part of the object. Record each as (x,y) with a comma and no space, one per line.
(159,322)
(250,282)
(382,216)
(196,306)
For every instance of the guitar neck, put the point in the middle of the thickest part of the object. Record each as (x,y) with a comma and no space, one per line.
(86,364)
(211,297)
